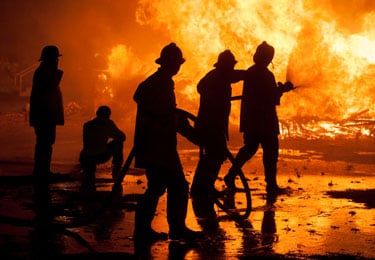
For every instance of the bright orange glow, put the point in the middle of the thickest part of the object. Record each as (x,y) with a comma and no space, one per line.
(332,65)
(122,62)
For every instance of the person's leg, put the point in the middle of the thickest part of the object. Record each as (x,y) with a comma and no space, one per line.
(177,198)
(205,175)
(270,146)
(147,204)
(197,183)
(45,138)
(116,150)
(89,168)
(246,152)
(203,186)
(202,189)
(177,202)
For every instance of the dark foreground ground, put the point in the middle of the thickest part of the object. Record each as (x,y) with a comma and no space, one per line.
(322,217)
(328,212)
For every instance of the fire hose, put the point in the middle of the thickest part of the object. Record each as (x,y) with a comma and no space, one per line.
(225,199)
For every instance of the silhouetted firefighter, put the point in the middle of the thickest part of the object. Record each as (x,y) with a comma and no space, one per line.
(46,112)
(102,140)
(212,128)
(155,145)
(258,120)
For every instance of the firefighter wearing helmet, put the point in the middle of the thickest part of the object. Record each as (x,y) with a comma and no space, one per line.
(212,127)
(258,120)
(49,52)
(46,112)
(155,145)
(170,55)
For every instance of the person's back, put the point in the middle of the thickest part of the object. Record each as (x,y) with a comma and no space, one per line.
(214,107)
(46,105)
(215,94)
(259,99)
(155,138)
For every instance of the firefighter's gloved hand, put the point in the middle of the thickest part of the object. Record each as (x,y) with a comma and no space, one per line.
(286,87)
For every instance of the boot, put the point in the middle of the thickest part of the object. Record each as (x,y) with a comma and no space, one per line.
(184,233)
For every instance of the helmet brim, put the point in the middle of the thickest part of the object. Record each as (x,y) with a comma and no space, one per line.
(165,61)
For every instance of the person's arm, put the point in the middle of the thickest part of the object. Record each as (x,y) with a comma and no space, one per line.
(151,101)
(52,78)
(116,133)
(286,87)
(238,75)
(283,88)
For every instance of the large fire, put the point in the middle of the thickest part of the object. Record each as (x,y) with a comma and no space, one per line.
(332,61)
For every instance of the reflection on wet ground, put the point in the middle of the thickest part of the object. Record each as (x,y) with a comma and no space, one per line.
(327,211)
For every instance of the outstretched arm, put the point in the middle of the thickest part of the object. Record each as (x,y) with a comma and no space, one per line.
(286,87)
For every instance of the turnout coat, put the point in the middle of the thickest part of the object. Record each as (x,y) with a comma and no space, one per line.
(155,138)
(260,96)
(46,103)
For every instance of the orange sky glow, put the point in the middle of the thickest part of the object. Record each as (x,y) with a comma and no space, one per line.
(331,62)
(325,47)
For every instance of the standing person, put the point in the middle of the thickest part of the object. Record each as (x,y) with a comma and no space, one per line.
(258,120)
(46,112)
(102,139)
(155,144)
(212,128)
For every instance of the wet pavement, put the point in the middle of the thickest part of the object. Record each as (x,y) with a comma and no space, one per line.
(328,212)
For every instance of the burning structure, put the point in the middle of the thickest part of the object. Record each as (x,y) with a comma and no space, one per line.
(325,47)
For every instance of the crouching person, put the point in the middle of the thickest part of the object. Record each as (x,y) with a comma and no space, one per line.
(102,140)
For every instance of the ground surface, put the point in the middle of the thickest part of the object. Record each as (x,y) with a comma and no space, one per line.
(329,210)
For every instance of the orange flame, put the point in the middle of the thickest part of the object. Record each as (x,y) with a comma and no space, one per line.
(334,66)
(123,63)
(340,59)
